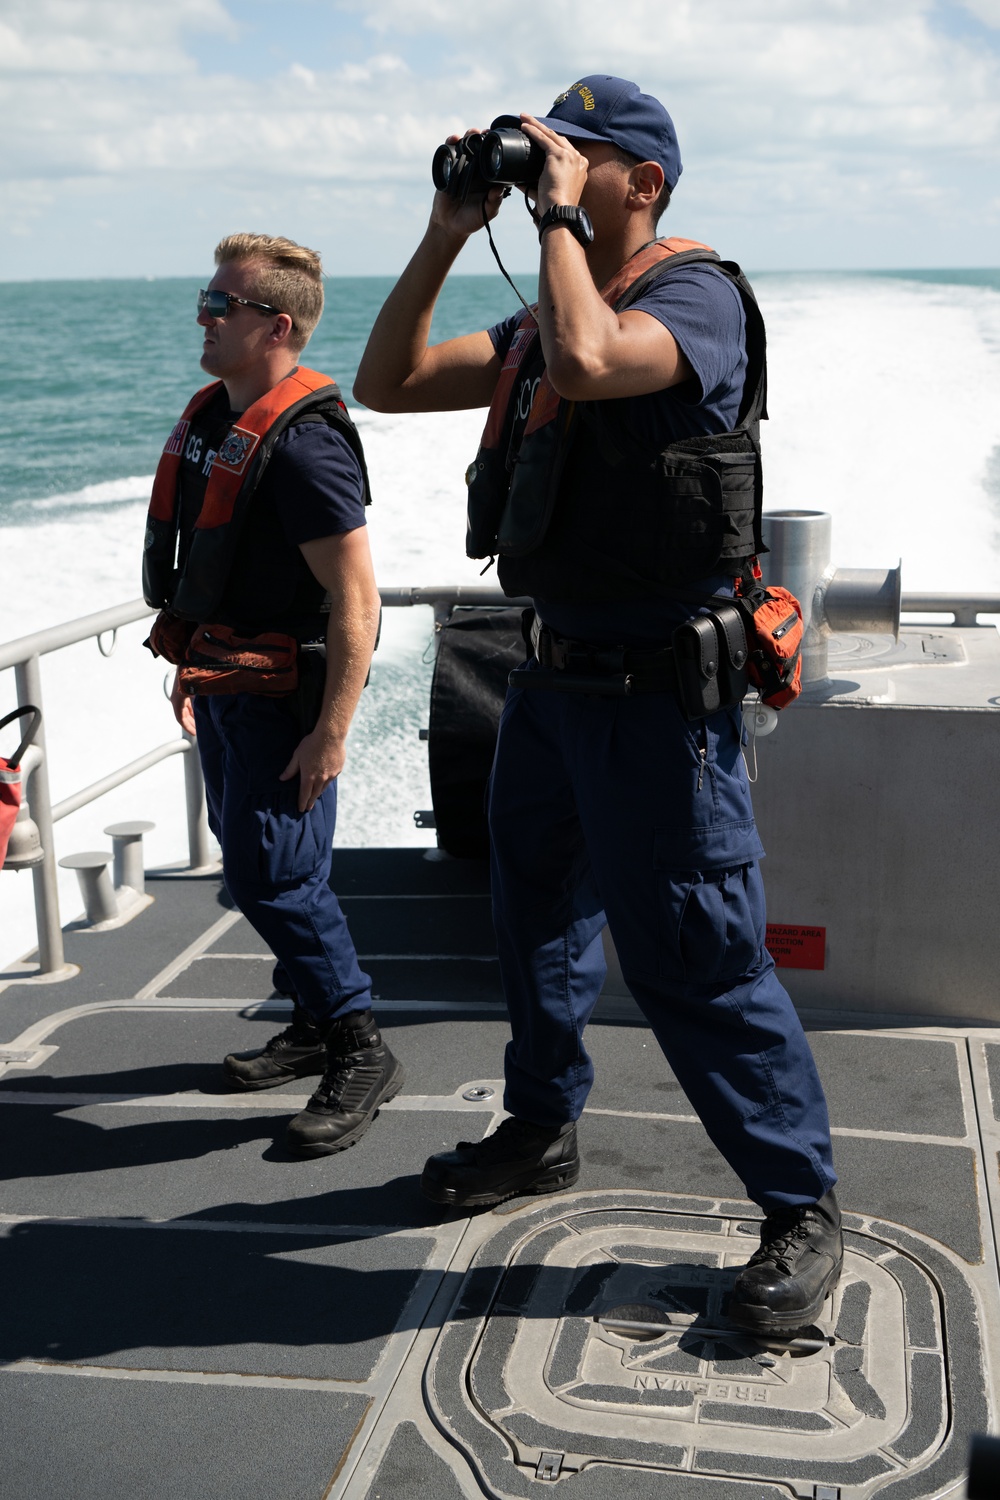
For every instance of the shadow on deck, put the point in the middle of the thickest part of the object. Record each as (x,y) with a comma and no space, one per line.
(188,1311)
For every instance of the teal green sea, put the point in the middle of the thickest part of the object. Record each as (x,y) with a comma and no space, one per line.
(95,372)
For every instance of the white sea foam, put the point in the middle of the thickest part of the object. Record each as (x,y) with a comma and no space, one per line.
(885,410)
(108,492)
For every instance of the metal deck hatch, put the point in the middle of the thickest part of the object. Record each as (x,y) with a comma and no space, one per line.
(598,1334)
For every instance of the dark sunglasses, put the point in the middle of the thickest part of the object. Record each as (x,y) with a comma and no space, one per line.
(217,304)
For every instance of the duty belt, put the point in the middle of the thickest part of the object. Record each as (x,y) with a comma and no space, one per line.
(569,666)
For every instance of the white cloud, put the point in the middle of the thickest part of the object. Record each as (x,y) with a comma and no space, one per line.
(799,108)
(304,76)
(378,66)
(103,36)
(22,204)
(987,11)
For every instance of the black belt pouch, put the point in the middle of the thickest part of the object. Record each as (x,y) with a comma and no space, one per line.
(710,653)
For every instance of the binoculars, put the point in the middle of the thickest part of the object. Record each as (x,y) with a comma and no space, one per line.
(501,156)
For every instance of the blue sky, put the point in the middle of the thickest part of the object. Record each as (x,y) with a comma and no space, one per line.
(815,133)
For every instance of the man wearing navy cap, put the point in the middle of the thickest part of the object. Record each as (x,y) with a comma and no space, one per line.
(618,484)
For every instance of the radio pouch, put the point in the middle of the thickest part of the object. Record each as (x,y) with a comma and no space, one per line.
(774,628)
(710,654)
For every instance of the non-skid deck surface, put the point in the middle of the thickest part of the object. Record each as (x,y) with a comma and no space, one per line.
(186,1310)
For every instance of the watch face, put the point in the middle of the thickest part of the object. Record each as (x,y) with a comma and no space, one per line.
(574,217)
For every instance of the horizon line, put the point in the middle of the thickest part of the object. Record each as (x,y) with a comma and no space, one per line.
(487,275)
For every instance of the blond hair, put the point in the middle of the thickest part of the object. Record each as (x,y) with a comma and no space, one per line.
(283,274)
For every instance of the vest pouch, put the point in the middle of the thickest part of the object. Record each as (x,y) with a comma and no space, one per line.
(219,660)
(487,482)
(159,576)
(169,637)
(739,479)
(710,655)
(709,502)
(691,529)
(534,489)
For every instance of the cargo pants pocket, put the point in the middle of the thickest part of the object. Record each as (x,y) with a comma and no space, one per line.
(711,923)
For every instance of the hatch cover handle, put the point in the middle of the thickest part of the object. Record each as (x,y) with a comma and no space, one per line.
(549,1465)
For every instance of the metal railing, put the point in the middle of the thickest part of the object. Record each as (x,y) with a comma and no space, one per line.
(25,654)
(964,609)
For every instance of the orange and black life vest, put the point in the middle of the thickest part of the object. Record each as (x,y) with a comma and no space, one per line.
(227,534)
(576,510)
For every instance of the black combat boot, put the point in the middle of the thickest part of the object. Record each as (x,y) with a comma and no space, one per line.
(783,1287)
(361,1073)
(517,1158)
(296,1052)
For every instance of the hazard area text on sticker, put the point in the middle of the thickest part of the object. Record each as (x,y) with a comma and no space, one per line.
(796,947)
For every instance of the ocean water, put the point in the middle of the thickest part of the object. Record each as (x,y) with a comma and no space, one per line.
(884,398)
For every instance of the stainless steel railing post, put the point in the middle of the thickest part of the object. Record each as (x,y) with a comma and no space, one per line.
(51,958)
(798,543)
(197,813)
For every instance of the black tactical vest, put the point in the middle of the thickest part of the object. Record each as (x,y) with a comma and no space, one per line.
(582,513)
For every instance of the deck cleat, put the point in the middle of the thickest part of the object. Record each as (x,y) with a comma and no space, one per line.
(782,1289)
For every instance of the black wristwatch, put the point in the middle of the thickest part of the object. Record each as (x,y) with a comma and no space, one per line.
(576,219)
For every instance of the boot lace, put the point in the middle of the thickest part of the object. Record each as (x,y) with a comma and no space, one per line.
(346,1083)
(778,1239)
(295,1035)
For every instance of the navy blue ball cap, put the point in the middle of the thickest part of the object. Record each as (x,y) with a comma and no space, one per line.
(601,108)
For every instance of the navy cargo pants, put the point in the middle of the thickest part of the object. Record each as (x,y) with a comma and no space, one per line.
(617,808)
(276,860)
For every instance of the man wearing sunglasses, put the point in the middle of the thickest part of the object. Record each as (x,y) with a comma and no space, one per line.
(257,555)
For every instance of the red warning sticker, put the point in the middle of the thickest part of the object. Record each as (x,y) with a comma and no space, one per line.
(797,947)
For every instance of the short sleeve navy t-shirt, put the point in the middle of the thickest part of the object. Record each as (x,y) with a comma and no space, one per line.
(704,312)
(311,488)
(314,483)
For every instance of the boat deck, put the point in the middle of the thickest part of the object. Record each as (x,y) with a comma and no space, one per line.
(187,1311)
